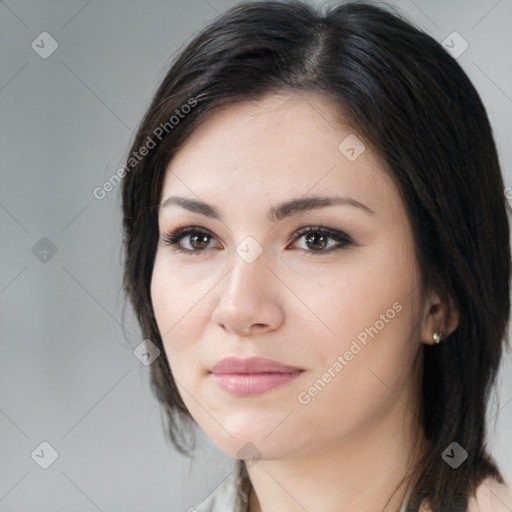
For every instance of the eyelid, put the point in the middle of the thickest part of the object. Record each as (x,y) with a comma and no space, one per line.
(334,233)
(175,235)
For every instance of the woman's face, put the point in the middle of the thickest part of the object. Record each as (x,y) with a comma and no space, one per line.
(341,305)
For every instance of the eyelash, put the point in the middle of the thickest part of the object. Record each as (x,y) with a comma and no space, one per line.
(173,238)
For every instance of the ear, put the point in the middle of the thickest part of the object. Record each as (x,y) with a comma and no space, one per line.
(439,315)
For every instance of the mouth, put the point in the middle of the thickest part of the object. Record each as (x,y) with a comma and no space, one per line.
(252,376)
(252,383)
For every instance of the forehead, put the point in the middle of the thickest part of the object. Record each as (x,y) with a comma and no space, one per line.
(283,145)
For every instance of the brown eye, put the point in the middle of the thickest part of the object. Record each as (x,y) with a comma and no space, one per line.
(322,240)
(190,240)
(199,241)
(316,241)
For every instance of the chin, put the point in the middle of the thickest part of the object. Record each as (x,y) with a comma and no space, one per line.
(255,443)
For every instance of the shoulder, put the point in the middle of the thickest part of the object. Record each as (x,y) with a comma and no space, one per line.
(491,496)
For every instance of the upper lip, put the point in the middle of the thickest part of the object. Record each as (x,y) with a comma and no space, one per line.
(252,365)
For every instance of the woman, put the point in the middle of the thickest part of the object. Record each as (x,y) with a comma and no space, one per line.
(317,241)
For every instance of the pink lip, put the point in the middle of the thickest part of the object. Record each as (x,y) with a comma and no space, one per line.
(252,376)
(251,365)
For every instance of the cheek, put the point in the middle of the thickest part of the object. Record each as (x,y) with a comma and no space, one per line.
(369,309)
(363,369)
(164,298)
(360,294)
(174,305)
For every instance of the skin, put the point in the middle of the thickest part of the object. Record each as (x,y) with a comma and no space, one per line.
(297,306)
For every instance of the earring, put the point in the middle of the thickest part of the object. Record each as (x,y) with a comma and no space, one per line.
(438,337)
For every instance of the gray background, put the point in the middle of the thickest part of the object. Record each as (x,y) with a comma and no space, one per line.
(68,375)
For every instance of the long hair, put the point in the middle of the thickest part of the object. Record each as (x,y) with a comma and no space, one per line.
(414,106)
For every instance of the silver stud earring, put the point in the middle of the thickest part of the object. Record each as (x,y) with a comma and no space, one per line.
(438,337)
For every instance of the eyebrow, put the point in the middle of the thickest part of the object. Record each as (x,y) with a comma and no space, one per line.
(276,213)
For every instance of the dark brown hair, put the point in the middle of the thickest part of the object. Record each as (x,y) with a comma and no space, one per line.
(412,104)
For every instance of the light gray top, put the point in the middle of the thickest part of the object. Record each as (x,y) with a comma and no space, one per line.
(224,497)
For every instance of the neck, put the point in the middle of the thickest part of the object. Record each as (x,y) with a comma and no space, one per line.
(368,472)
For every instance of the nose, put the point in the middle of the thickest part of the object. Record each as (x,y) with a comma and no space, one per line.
(249,301)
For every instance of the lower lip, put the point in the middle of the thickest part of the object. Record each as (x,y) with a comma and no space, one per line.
(252,383)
